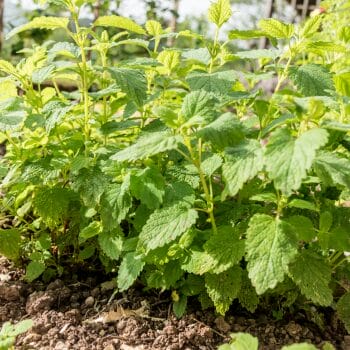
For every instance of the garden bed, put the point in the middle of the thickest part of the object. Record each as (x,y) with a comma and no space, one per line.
(80,312)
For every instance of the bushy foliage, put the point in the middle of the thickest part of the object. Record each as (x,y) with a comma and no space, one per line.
(176,168)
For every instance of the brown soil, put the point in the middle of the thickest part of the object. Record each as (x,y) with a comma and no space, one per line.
(85,314)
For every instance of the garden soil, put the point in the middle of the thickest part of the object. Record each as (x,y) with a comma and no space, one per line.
(83,312)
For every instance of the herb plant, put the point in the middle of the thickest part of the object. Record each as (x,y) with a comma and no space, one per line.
(177,168)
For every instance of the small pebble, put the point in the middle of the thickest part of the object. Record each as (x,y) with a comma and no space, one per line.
(89,301)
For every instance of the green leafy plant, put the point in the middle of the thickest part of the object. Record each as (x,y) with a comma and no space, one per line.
(9,332)
(245,341)
(177,169)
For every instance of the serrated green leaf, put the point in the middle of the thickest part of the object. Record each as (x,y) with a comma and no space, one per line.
(119,22)
(225,131)
(303,227)
(332,169)
(220,12)
(311,26)
(259,54)
(148,145)
(276,29)
(223,288)
(10,243)
(111,243)
(52,204)
(148,186)
(219,83)
(170,59)
(211,164)
(133,82)
(312,275)
(288,159)
(241,341)
(34,270)
(271,247)
(165,225)
(247,295)
(11,120)
(342,83)
(115,204)
(129,270)
(48,23)
(312,79)
(90,183)
(242,163)
(201,55)
(154,28)
(199,105)
(179,192)
(245,34)
(302,204)
(343,310)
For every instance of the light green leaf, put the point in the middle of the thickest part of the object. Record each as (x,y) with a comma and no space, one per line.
(312,275)
(11,120)
(301,346)
(165,225)
(311,26)
(148,145)
(312,79)
(288,159)
(220,12)
(148,186)
(242,163)
(245,34)
(200,105)
(302,204)
(276,29)
(154,28)
(241,341)
(170,59)
(119,22)
(225,131)
(259,54)
(111,243)
(271,247)
(132,82)
(10,243)
(219,83)
(333,169)
(224,288)
(201,55)
(34,270)
(48,23)
(92,230)
(343,310)
(342,83)
(8,68)
(211,164)
(129,270)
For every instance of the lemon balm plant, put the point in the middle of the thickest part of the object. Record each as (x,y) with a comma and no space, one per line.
(177,169)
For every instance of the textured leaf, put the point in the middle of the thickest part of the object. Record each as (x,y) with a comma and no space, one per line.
(129,270)
(8,68)
(270,247)
(225,131)
(115,204)
(302,204)
(288,159)
(342,83)
(312,275)
(332,169)
(49,23)
(148,186)
(245,34)
(153,28)
(90,231)
(52,204)
(90,183)
(224,288)
(241,341)
(133,82)
(111,243)
(343,310)
(301,346)
(211,164)
(258,54)
(199,104)
(303,227)
(10,243)
(11,120)
(148,145)
(179,192)
(220,12)
(201,55)
(247,295)
(276,29)
(119,22)
(165,225)
(220,83)
(170,59)
(312,79)
(242,163)
(179,306)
